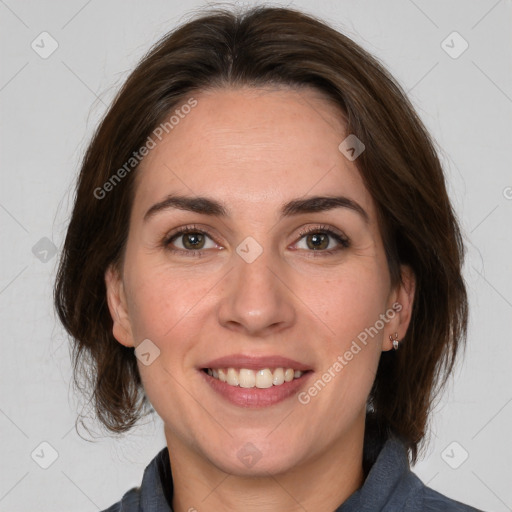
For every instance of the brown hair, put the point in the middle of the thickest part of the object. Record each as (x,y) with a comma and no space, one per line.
(400,167)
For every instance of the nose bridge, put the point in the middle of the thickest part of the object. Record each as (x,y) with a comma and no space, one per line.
(255,300)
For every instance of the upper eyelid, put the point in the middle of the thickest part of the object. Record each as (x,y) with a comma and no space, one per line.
(322,228)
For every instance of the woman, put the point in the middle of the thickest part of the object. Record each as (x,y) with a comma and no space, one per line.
(263,250)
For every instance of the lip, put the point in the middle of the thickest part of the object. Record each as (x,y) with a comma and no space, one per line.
(255,362)
(256,397)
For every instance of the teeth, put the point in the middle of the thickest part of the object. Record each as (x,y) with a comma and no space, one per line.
(233,377)
(278,377)
(264,378)
(289,374)
(245,378)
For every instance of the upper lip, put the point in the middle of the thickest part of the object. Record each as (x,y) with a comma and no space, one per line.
(255,362)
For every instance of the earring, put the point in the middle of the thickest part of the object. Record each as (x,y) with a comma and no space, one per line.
(394,341)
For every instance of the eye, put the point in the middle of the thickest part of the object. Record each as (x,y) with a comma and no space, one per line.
(189,240)
(319,238)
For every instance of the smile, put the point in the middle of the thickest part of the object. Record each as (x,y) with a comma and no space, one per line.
(247,378)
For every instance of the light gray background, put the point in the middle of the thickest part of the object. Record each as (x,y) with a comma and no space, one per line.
(49,108)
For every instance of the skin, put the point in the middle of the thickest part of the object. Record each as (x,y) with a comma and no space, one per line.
(255,149)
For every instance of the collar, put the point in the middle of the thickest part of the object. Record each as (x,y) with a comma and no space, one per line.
(156,489)
(388,484)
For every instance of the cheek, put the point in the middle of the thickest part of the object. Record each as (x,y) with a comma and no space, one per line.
(162,309)
(161,299)
(351,307)
(349,302)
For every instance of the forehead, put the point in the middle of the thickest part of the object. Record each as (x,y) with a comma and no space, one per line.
(252,148)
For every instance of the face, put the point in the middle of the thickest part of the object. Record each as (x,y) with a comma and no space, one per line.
(262,288)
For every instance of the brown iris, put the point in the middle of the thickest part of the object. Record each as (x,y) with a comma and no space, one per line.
(318,241)
(196,240)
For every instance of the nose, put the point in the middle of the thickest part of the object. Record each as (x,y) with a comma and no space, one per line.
(256,298)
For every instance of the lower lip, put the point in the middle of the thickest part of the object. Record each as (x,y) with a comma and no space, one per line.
(256,397)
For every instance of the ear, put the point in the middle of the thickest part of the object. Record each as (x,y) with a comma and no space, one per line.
(116,300)
(401,301)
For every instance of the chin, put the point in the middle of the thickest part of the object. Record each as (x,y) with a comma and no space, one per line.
(252,460)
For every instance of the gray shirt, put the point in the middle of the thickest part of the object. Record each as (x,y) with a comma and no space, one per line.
(389,487)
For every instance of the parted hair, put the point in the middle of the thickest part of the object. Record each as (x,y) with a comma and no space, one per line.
(266,46)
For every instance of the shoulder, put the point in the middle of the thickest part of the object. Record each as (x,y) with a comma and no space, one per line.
(427,499)
(154,493)
(391,486)
(130,502)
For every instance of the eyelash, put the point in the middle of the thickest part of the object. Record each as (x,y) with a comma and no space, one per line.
(341,239)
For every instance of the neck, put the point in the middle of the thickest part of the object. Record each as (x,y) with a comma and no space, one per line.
(321,483)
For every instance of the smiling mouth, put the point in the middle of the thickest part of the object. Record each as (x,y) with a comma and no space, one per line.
(247,378)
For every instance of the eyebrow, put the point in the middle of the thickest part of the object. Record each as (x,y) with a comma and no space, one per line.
(207,206)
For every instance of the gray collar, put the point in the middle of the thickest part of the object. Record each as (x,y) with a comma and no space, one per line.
(388,484)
